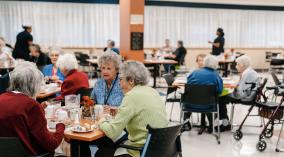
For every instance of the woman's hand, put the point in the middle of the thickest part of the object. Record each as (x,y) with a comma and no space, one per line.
(44,104)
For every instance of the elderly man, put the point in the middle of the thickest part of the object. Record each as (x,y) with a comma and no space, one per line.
(206,76)
(23,117)
(242,92)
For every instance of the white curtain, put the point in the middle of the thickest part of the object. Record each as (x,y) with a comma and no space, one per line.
(195,26)
(90,25)
(61,24)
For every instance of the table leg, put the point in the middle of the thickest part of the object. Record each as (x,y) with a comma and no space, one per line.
(225,74)
(75,148)
(155,74)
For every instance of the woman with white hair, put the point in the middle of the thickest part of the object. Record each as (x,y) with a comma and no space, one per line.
(23,117)
(107,89)
(206,76)
(141,106)
(74,80)
(248,75)
(51,71)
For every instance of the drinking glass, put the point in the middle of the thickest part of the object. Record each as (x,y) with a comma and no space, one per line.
(72,101)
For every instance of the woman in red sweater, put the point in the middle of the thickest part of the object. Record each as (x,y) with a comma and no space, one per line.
(74,80)
(21,116)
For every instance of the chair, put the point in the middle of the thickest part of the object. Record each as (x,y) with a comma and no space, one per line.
(171,89)
(201,99)
(12,147)
(163,142)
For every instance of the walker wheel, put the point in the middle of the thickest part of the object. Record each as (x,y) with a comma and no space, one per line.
(261,146)
(238,135)
(268,133)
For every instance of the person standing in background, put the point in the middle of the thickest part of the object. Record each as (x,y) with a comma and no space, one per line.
(24,40)
(219,42)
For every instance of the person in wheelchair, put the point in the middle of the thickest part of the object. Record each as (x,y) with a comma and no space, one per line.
(244,92)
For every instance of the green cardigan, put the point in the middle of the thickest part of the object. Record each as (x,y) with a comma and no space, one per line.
(140,106)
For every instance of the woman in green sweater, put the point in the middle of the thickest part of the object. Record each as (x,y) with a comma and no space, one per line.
(141,106)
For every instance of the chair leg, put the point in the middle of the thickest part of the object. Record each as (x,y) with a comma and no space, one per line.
(232,115)
(171,112)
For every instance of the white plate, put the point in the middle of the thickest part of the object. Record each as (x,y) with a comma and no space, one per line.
(80,129)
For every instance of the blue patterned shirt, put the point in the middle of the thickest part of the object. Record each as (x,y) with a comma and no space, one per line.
(101,92)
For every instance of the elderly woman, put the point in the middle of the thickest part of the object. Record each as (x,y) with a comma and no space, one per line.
(140,106)
(206,76)
(107,89)
(5,55)
(23,117)
(248,75)
(38,57)
(51,71)
(74,80)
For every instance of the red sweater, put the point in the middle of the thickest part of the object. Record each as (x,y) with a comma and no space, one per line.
(23,117)
(74,81)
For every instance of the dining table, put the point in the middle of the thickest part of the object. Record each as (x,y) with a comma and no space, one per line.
(47,92)
(76,139)
(156,63)
(227,82)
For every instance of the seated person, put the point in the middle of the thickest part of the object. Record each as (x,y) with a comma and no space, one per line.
(178,56)
(241,93)
(206,76)
(141,106)
(51,72)
(107,89)
(38,57)
(5,54)
(74,80)
(22,117)
(168,49)
(110,46)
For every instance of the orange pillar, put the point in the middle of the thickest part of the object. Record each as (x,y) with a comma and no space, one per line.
(132,29)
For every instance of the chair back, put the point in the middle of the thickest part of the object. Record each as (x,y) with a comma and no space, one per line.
(275,78)
(199,98)
(170,80)
(163,142)
(12,147)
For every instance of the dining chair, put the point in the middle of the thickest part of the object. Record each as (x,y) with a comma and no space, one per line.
(163,142)
(12,147)
(201,99)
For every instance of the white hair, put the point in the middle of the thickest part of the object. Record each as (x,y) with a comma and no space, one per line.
(67,61)
(136,71)
(56,50)
(26,78)
(244,60)
(211,61)
(110,57)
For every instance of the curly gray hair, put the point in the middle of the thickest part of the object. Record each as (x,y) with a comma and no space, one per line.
(110,57)
(26,78)
(136,71)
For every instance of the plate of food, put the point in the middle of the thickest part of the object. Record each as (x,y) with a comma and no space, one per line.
(81,129)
